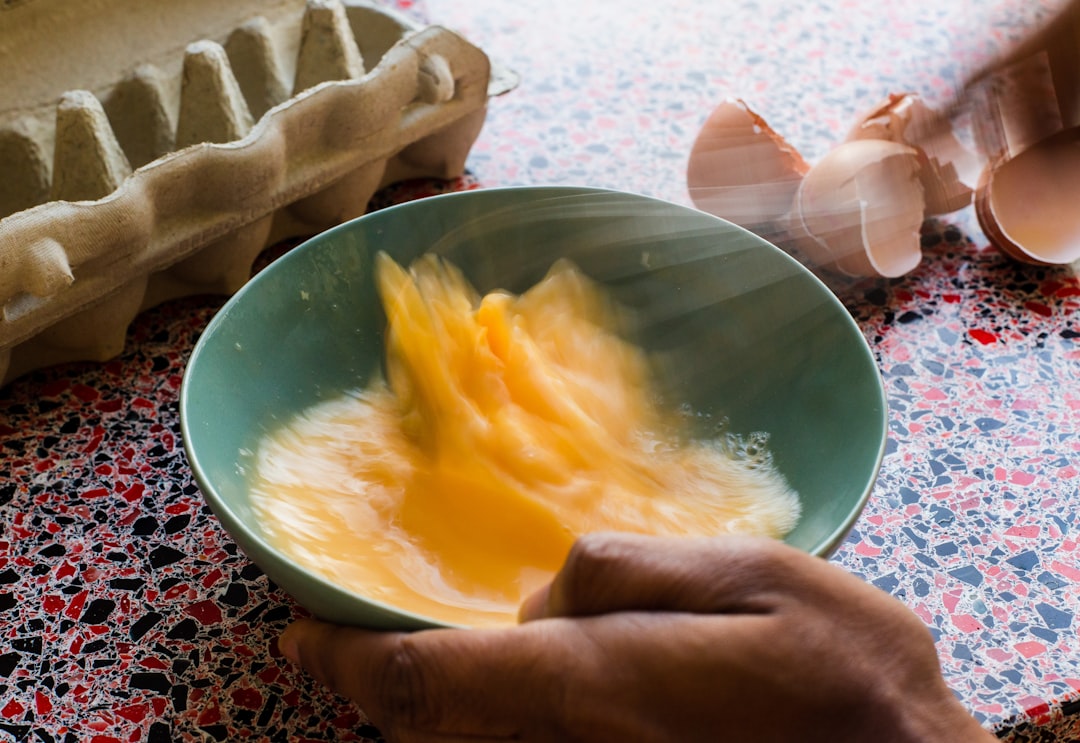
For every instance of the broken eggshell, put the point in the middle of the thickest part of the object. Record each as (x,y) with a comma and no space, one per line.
(948,170)
(742,170)
(1026,204)
(859,210)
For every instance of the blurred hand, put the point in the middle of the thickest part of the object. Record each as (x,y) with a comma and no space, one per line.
(1030,92)
(650,639)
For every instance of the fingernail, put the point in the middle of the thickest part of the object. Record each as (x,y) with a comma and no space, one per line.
(534,607)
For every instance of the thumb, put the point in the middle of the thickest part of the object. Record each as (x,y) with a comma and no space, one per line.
(613,572)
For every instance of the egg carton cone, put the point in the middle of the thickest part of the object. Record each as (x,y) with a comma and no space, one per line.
(152,150)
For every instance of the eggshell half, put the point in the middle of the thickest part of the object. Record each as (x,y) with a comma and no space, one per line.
(859,209)
(948,170)
(742,170)
(1028,205)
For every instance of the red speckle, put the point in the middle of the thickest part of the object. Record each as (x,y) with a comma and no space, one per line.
(1027,532)
(1038,308)
(347,720)
(177,591)
(1071,573)
(75,606)
(142,402)
(1030,649)
(52,604)
(984,337)
(212,577)
(247,698)
(93,443)
(12,709)
(156,664)
(134,494)
(95,493)
(269,674)
(84,393)
(42,704)
(109,406)
(65,570)
(205,612)
(133,712)
(210,715)
(966,623)
(104,739)
(1022,478)
(868,550)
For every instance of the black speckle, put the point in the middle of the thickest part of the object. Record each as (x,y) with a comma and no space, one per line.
(162,556)
(8,601)
(150,681)
(235,595)
(185,630)
(177,523)
(53,550)
(30,645)
(145,526)
(8,661)
(98,611)
(144,625)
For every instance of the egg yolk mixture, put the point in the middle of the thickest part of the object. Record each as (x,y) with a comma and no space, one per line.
(505,427)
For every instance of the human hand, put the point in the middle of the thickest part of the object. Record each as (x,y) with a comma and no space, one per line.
(1030,91)
(651,639)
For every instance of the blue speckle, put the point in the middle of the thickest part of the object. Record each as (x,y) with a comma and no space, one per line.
(942,515)
(1024,561)
(1054,618)
(969,574)
(909,495)
(948,548)
(926,560)
(887,583)
(962,652)
(1051,581)
(919,541)
(1044,634)
(989,424)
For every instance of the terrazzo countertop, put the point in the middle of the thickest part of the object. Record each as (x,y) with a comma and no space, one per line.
(127,614)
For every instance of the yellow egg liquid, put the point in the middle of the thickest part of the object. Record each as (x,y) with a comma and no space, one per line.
(506,427)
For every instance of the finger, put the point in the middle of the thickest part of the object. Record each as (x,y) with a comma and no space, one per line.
(610,572)
(442,684)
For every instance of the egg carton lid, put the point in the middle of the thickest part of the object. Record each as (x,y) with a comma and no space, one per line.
(288,97)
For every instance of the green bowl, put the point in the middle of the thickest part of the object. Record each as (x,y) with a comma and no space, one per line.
(753,335)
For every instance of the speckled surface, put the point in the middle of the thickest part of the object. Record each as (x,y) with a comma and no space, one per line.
(126,614)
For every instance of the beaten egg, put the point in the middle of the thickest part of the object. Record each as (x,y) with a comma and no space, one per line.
(503,427)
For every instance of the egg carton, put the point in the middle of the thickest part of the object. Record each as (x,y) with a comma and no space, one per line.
(152,150)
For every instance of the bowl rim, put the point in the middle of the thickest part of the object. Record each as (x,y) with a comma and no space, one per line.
(230,521)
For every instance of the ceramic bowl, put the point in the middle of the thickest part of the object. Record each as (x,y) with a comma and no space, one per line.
(755,338)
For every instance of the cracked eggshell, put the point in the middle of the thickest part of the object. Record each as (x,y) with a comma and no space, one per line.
(741,170)
(948,170)
(859,210)
(1026,205)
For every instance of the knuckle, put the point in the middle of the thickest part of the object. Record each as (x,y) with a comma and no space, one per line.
(402,692)
(592,557)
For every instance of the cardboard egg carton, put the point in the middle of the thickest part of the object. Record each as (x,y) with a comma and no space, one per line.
(153,150)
